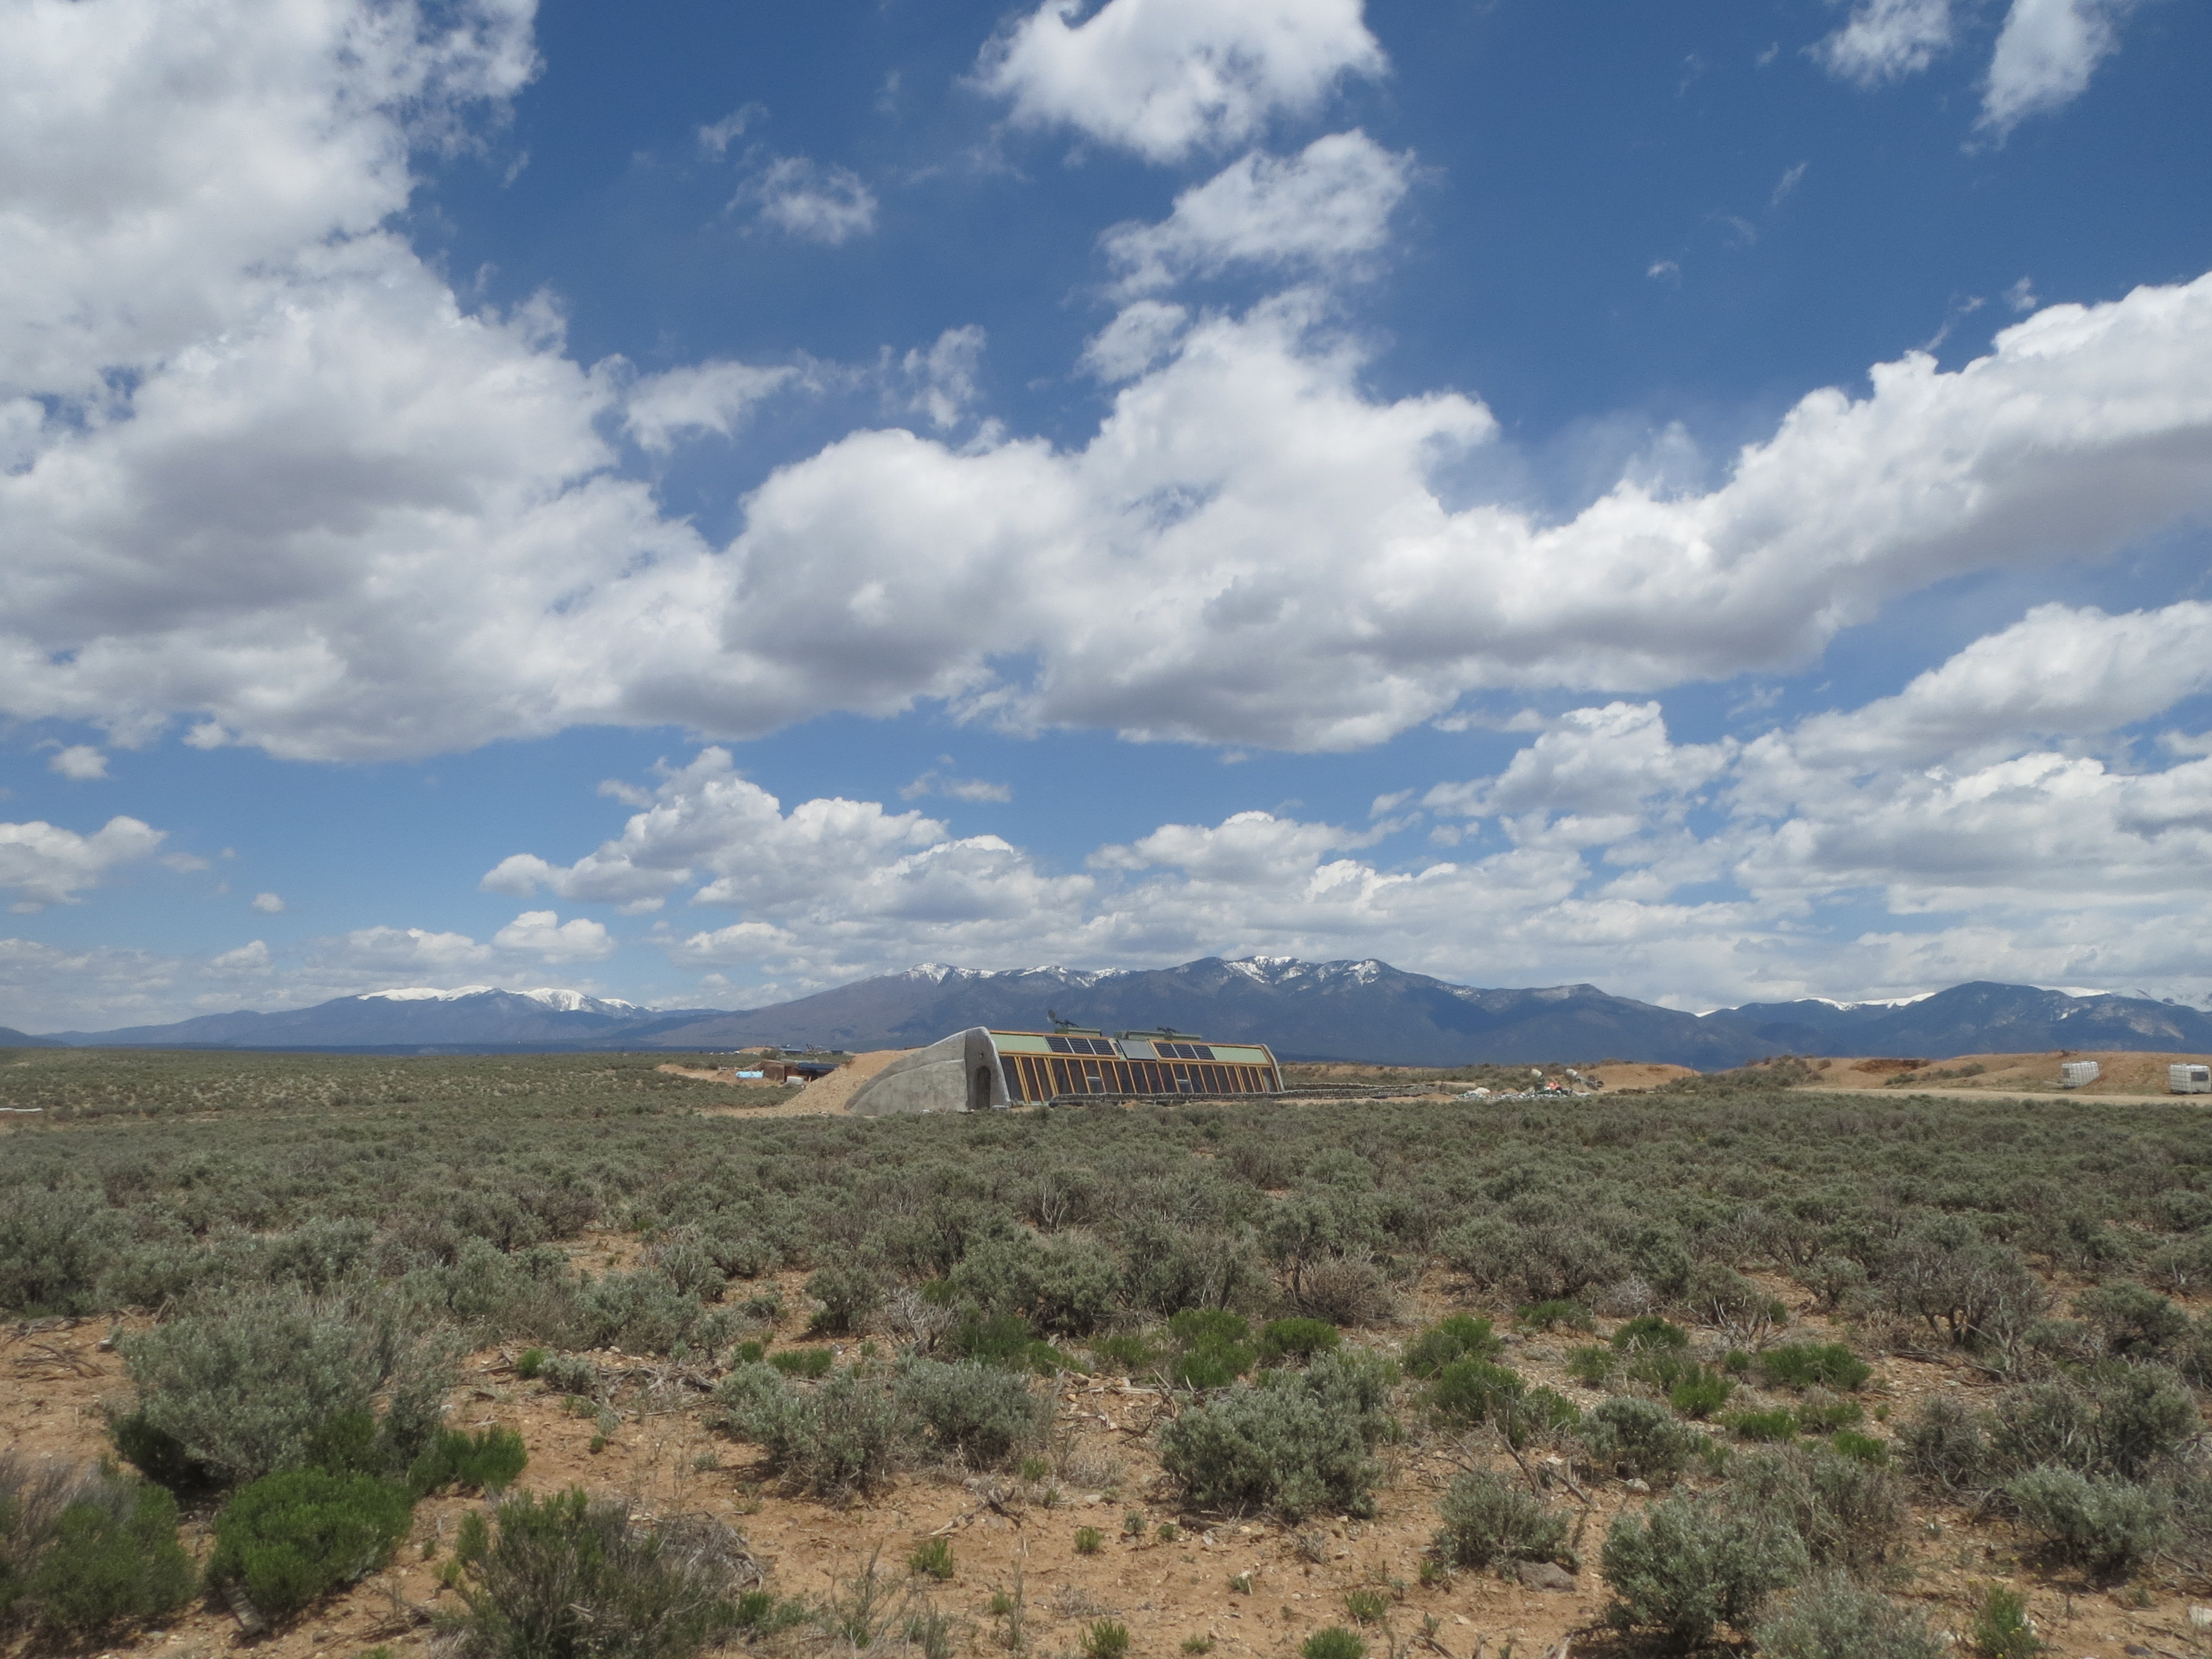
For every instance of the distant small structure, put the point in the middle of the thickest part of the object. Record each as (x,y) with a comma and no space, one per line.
(2187,1080)
(980,1070)
(2073,1073)
(750,1069)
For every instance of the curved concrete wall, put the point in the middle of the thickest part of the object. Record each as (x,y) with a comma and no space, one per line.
(938,1078)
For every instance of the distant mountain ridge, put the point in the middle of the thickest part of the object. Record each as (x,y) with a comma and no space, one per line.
(1356,1011)
(470,1017)
(1369,1011)
(1982,1018)
(1360,1010)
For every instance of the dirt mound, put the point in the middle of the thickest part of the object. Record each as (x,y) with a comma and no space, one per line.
(1636,1074)
(835,1092)
(2121,1071)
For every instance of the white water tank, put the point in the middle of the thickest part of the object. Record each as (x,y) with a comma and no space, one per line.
(2189,1079)
(2073,1073)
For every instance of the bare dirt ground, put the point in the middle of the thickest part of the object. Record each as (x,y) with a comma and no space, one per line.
(824,1097)
(1020,1538)
(707,1074)
(1637,1075)
(2125,1076)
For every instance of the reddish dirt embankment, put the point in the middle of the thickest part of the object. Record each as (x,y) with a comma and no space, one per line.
(2123,1074)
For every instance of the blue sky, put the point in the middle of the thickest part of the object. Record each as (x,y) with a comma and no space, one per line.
(701,503)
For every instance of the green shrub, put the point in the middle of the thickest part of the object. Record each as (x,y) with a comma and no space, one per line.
(1366,1607)
(570,1373)
(2145,1414)
(688,1260)
(54,1244)
(1821,1413)
(1661,1368)
(1172,1265)
(1722,1297)
(1804,1365)
(1107,1638)
(1860,1448)
(1533,1415)
(1212,1348)
(1486,1519)
(1780,1423)
(847,1434)
(1637,1439)
(1297,1339)
(1066,1284)
(1003,1341)
(1849,1515)
(1682,1570)
(2001,1629)
(932,1558)
(244,1388)
(2108,1528)
(485,1461)
(563,1578)
(1543,1316)
(1836,1618)
(1700,1393)
(1131,1354)
(291,1538)
(1209,1326)
(645,1312)
(1088,1541)
(1943,1443)
(1592,1365)
(1466,1391)
(1354,1384)
(1539,1248)
(84,1549)
(2118,1420)
(1459,1336)
(529,1363)
(848,1293)
(812,1364)
(2133,1322)
(1332,1641)
(982,1416)
(1293,1445)
(1648,1331)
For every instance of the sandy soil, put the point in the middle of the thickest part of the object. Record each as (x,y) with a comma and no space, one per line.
(705,1075)
(1627,1075)
(1006,1534)
(2125,1076)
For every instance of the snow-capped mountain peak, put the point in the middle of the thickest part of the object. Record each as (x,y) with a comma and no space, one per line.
(424,993)
(573,1002)
(553,997)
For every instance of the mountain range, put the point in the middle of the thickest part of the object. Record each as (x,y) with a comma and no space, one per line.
(470,1017)
(1357,1011)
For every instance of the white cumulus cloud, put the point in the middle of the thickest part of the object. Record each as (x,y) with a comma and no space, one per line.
(269,904)
(2045,54)
(1886,40)
(272,479)
(814,203)
(1327,209)
(543,933)
(713,396)
(79,762)
(43,863)
(1164,78)
(251,959)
